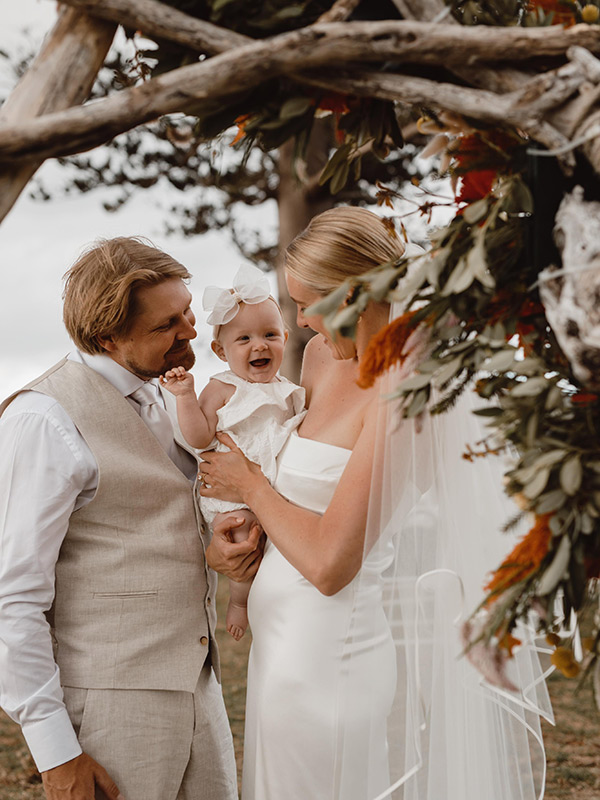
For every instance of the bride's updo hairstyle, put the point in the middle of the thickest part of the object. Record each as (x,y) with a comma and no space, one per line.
(338,244)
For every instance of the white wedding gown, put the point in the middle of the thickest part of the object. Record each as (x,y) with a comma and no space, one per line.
(315,727)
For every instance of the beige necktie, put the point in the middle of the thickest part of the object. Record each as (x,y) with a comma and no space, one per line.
(154,415)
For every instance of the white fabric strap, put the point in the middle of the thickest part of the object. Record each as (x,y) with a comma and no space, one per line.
(154,416)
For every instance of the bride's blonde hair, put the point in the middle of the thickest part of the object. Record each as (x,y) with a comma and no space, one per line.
(340,243)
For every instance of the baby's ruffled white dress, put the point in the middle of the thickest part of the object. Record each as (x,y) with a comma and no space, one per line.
(259,417)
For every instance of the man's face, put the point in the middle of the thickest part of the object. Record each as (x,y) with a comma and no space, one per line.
(159,336)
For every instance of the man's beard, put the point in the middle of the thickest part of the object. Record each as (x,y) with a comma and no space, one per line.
(185,359)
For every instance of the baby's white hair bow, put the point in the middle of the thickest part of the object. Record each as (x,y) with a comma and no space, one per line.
(250,285)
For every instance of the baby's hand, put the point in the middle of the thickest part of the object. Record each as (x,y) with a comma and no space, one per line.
(178,381)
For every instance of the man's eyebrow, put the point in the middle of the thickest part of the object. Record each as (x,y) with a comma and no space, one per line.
(172,318)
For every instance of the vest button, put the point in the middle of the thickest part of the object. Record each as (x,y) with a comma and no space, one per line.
(208,601)
(204,640)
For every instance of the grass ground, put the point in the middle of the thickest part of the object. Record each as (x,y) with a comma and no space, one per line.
(572,747)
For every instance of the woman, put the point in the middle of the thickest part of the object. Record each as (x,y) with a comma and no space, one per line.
(322,678)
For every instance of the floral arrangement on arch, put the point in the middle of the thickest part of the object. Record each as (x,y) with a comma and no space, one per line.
(515,317)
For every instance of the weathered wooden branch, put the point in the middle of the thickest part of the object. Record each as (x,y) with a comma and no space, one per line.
(339,11)
(587,62)
(158,19)
(569,122)
(187,89)
(400,41)
(61,76)
(524,107)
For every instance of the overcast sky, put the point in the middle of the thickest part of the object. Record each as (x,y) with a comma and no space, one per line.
(39,241)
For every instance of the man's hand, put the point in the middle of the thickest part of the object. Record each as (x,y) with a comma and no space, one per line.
(77,780)
(238,561)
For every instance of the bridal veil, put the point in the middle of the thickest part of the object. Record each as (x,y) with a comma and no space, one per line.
(433,534)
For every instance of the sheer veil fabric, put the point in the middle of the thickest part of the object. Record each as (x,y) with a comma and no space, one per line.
(433,534)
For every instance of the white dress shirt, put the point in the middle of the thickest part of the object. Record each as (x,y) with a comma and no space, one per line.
(47,471)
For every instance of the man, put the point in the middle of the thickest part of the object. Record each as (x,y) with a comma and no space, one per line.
(107,618)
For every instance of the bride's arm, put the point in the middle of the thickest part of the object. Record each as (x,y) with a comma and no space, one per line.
(326,549)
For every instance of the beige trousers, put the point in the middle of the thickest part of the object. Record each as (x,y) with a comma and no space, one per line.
(158,745)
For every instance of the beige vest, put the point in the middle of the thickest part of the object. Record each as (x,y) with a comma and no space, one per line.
(134,604)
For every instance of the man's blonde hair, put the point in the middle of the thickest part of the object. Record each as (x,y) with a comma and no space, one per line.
(340,243)
(99,296)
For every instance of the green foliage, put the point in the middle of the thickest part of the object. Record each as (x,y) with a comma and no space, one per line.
(489,12)
(475,298)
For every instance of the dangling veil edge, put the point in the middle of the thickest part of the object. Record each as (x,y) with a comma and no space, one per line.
(433,532)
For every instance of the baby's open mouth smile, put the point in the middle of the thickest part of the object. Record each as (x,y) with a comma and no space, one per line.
(260,362)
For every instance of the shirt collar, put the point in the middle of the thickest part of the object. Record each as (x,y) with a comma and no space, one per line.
(122,379)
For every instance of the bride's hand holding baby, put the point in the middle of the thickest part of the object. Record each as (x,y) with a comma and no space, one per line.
(178,381)
(228,476)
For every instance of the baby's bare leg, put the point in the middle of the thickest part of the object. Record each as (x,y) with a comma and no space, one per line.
(237,613)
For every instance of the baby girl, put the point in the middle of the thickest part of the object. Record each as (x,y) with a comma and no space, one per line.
(250,401)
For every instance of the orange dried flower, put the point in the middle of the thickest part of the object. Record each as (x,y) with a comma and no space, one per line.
(508,642)
(564,660)
(241,122)
(525,557)
(385,349)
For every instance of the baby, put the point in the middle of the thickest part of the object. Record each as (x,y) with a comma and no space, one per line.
(255,406)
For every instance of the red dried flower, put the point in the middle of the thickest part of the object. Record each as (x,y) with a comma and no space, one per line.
(475,185)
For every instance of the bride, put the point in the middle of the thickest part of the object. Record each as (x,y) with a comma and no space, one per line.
(353,689)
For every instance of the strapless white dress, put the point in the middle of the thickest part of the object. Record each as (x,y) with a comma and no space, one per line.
(312,731)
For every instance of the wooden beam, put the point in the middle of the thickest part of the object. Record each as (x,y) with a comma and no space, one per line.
(62,75)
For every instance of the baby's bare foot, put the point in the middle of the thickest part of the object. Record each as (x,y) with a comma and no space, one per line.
(237,620)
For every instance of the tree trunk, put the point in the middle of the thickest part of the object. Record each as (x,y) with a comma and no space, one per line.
(297,205)
(62,75)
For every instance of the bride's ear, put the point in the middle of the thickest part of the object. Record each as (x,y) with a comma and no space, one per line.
(217,349)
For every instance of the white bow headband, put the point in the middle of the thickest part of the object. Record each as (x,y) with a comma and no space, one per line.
(249,286)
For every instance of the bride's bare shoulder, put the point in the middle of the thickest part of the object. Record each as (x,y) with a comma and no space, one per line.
(316,358)
(316,351)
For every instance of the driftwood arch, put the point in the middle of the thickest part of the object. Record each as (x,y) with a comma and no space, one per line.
(478,288)
(557,107)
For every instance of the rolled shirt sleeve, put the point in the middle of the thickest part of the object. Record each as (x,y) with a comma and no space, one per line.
(46,472)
